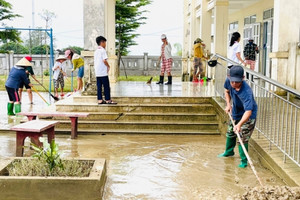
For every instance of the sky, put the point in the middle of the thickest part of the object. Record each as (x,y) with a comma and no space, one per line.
(164,16)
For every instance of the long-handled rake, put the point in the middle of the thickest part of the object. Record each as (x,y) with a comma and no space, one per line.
(246,153)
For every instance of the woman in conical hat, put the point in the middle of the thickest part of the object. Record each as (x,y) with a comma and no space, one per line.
(29,72)
(16,76)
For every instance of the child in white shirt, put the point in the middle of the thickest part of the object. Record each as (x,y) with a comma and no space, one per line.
(101,71)
(59,71)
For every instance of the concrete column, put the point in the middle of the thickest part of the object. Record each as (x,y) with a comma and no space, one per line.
(186,35)
(220,28)
(285,37)
(11,60)
(99,19)
(111,39)
(205,31)
(192,38)
(146,64)
(94,22)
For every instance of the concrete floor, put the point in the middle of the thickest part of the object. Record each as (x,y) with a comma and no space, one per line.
(153,166)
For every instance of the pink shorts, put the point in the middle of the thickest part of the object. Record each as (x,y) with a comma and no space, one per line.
(166,65)
(251,63)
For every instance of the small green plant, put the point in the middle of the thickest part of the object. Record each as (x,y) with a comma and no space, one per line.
(46,72)
(49,153)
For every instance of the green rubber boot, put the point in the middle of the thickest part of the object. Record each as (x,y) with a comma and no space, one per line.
(10,109)
(17,108)
(244,161)
(230,144)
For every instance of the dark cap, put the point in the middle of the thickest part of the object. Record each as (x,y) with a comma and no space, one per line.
(236,73)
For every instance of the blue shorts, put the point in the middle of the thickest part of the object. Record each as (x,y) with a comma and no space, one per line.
(80,73)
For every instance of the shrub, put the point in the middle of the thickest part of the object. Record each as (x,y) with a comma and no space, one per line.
(46,72)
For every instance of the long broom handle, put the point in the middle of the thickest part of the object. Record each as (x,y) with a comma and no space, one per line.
(55,98)
(246,153)
(66,77)
(40,95)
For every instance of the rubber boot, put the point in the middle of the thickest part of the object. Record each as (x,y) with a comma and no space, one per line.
(17,108)
(169,81)
(10,109)
(244,161)
(161,80)
(230,144)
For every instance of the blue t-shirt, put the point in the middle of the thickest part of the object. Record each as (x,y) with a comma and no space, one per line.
(16,76)
(243,100)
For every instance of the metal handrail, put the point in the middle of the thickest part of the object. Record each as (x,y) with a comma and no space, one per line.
(278,118)
(277,84)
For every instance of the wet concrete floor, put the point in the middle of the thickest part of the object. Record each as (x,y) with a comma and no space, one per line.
(151,167)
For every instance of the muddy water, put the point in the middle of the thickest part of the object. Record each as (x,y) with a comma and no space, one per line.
(168,167)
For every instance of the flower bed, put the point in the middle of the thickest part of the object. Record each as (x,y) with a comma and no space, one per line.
(89,186)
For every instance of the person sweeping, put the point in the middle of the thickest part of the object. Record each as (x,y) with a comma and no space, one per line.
(243,111)
(59,74)
(16,76)
(77,62)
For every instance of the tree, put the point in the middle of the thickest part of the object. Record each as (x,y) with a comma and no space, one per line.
(74,48)
(128,19)
(17,48)
(41,49)
(178,48)
(34,38)
(7,14)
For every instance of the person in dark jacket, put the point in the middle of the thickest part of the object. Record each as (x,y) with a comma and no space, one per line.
(29,72)
(16,76)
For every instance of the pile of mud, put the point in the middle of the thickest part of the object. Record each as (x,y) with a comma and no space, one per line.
(271,192)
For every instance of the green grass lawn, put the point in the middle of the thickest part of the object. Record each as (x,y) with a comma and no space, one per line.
(67,88)
(45,83)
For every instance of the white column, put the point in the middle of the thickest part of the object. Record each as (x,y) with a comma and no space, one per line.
(111,39)
(221,27)
(205,31)
(99,19)
(186,34)
(94,22)
(285,37)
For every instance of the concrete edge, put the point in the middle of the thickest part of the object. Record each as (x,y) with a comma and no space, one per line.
(264,157)
(267,161)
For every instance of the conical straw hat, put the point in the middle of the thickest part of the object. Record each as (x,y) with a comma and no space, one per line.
(61,57)
(23,63)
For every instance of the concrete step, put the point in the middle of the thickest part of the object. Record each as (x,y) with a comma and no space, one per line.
(181,117)
(147,100)
(142,125)
(136,108)
(138,131)
(106,116)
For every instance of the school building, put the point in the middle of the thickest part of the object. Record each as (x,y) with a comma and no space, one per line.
(273,24)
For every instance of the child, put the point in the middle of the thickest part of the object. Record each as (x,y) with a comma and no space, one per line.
(77,62)
(101,71)
(16,76)
(58,75)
